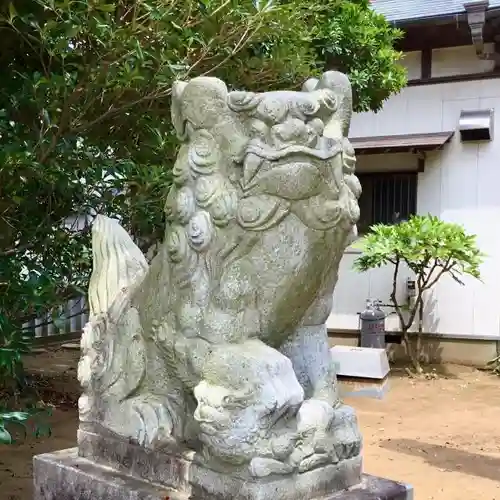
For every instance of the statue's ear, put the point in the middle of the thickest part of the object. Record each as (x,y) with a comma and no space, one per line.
(341,86)
(178,119)
(198,104)
(310,85)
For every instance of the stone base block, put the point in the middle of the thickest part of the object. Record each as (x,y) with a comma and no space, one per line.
(187,472)
(64,475)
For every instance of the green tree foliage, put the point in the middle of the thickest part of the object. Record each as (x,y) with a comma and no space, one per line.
(430,248)
(84,93)
(32,421)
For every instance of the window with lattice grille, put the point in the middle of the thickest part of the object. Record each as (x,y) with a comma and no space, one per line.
(387,198)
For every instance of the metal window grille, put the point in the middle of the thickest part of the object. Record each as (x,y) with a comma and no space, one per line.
(386,198)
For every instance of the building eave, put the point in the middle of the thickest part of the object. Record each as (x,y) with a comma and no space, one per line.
(402,143)
(459,14)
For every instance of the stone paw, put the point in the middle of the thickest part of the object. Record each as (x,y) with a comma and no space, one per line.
(314,415)
(347,438)
(329,435)
(262,467)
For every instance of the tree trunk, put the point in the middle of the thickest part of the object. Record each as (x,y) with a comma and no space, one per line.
(414,356)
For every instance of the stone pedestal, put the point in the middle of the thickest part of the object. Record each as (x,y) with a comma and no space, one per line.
(112,459)
(64,475)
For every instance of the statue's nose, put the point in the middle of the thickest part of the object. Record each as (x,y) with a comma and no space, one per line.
(206,414)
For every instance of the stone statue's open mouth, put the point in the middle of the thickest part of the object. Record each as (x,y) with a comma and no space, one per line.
(265,152)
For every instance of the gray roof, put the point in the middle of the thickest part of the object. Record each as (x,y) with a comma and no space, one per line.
(412,10)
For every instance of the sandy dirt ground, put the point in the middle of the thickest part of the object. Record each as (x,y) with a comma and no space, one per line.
(441,435)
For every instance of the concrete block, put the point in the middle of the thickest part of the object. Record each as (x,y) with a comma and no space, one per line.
(364,388)
(362,362)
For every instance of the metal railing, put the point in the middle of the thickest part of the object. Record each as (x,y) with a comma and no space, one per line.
(70,318)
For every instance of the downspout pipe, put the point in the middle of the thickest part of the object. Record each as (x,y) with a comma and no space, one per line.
(476,18)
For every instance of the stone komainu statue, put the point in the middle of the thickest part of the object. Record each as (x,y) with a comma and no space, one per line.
(220,345)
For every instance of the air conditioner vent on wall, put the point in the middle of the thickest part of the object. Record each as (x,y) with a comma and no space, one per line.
(476,125)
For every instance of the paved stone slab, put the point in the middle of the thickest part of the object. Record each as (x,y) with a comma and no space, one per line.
(363,362)
(64,475)
(74,346)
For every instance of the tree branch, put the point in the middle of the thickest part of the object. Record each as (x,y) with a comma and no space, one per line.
(62,127)
(16,250)
(393,298)
(444,269)
(115,111)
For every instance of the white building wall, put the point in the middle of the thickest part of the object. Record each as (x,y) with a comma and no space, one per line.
(460,184)
(459,61)
(412,61)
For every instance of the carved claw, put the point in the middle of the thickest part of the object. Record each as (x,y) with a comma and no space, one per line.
(314,461)
(348,445)
(156,425)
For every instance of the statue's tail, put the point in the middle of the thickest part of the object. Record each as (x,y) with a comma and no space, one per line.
(112,330)
(118,263)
